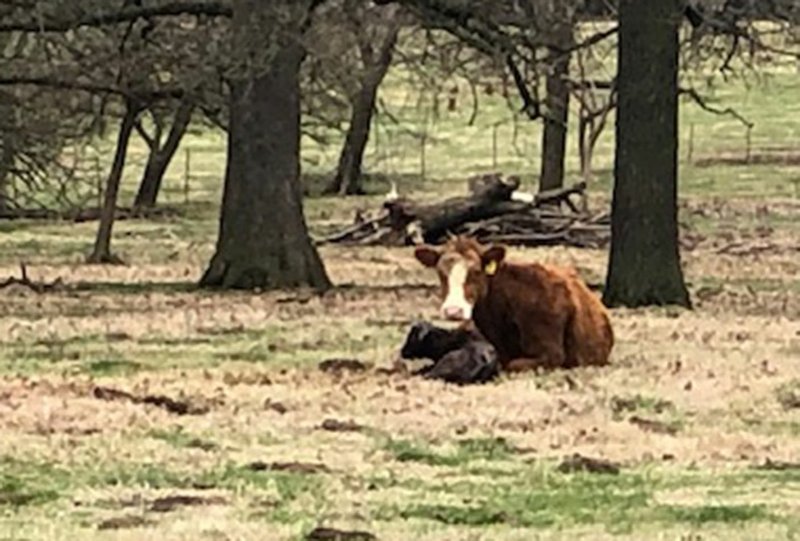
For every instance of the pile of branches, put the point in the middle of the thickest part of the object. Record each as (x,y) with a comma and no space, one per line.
(493,211)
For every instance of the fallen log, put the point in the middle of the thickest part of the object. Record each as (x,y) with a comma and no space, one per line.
(493,211)
(435,220)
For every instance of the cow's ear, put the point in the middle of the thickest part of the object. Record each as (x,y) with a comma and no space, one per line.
(492,257)
(427,255)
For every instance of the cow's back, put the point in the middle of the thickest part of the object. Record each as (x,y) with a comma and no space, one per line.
(545,293)
(589,337)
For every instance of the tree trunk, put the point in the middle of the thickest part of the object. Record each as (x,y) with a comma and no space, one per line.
(160,158)
(6,164)
(263,240)
(102,245)
(347,180)
(644,267)
(584,152)
(554,135)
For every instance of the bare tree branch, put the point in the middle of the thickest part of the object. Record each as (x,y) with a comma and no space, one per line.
(700,101)
(94,88)
(116,16)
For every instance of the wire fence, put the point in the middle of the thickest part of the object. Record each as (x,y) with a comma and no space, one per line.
(415,154)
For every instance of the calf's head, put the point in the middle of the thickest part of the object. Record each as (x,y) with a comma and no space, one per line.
(465,268)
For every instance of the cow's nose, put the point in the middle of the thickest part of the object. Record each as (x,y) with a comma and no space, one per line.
(454,313)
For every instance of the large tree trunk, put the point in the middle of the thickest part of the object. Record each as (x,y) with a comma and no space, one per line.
(347,180)
(102,246)
(160,158)
(644,267)
(554,135)
(263,240)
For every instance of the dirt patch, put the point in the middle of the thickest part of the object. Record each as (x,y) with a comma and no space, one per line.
(778,465)
(178,407)
(651,425)
(278,407)
(292,467)
(331,534)
(246,378)
(335,366)
(171,503)
(789,395)
(623,404)
(580,463)
(334,425)
(125,522)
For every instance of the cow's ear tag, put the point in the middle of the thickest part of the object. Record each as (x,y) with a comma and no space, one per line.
(490,268)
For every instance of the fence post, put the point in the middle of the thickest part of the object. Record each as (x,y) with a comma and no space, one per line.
(375,134)
(422,165)
(99,180)
(186,175)
(749,143)
(494,146)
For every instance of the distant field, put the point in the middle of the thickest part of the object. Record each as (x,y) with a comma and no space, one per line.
(455,149)
(700,410)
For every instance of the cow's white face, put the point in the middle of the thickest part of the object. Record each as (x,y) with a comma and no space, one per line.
(463,276)
(456,306)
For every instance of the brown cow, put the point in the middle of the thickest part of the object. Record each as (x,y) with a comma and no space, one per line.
(535,315)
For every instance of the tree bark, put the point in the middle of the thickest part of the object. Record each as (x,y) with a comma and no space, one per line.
(102,246)
(6,164)
(347,180)
(263,240)
(554,135)
(160,158)
(644,267)
(348,177)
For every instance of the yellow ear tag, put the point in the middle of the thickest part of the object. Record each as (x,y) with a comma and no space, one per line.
(491,268)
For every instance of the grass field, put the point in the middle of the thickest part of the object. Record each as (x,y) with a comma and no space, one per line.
(700,409)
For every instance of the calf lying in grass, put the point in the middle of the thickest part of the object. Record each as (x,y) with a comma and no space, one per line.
(459,356)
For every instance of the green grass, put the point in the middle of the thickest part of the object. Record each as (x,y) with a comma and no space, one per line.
(540,498)
(26,482)
(638,402)
(704,514)
(542,501)
(278,344)
(15,492)
(29,482)
(533,497)
(180,439)
(463,451)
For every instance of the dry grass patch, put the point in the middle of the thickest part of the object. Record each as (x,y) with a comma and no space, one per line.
(692,400)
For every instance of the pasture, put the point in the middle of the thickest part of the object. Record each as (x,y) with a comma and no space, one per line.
(699,412)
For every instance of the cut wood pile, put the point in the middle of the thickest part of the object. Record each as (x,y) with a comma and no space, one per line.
(493,211)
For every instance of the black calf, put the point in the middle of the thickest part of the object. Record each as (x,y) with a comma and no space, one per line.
(459,356)
(426,341)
